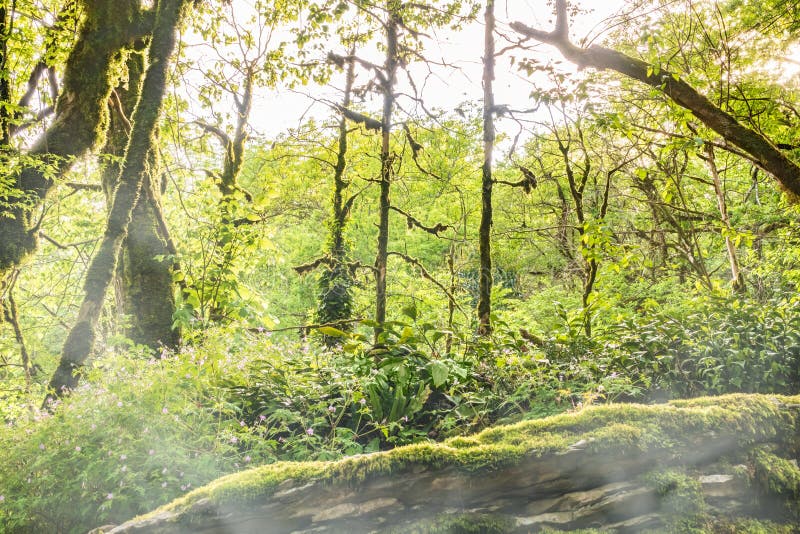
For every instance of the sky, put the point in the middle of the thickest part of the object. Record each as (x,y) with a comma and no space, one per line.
(276,111)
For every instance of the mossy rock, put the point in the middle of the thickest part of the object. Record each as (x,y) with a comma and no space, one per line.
(588,469)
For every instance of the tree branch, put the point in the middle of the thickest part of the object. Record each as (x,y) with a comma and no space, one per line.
(769,156)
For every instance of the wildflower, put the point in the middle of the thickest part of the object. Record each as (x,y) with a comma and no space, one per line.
(2,498)
(110,496)
(124,468)
(241,423)
(310,431)
(123,456)
(119,404)
(262,418)
(247,459)
(331,409)
(78,449)
(164,471)
(94,426)
(234,439)
(404,419)
(41,446)
(164,410)
(163,484)
(183,487)
(151,452)
(362,401)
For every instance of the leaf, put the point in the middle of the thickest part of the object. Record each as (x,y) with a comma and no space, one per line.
(410,311)
(331,331)
(439,373)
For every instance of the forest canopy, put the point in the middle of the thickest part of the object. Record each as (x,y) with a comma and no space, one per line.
(239,232)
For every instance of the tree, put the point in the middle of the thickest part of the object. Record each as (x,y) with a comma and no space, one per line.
(388,80)
(109,27)
(755,145)
(485,231)
(336,300)
(143,287)
(134,173)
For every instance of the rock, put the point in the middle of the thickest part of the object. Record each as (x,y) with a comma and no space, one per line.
(623,467)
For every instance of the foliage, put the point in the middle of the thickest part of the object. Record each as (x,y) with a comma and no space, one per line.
(611,264)
(144,434)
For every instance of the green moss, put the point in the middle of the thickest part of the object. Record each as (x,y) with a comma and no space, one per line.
(681,500)
(747,526)
(747,418)
(459,524)
(778,477)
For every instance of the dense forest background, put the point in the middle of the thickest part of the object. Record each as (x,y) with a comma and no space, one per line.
(190,288)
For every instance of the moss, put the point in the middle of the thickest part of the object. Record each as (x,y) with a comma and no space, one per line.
(778,477)
(747,526)
(747,418)
(459,524)
(681,500)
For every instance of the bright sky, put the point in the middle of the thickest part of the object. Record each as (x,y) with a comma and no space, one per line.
(277,111)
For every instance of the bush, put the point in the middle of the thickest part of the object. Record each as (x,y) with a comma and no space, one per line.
(721,345)
(154,430)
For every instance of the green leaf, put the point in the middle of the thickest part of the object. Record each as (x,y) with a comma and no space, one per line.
(410,311)
(331,331)
(439,373)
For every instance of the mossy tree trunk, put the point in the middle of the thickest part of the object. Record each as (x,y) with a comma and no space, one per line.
(81,118)
(335,300)
(135,169)
(143,284)
(388,82)
(485,231)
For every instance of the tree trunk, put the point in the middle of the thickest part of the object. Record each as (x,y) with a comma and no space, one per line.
(737,277)
(764,152)
(336,301)
(5,81)
(381,258)
(81,119)
(143,284)
(135,169)
(485,231)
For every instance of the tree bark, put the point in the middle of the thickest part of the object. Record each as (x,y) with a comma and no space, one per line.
(336,301)
(382,256)
(143,283)
(764,152)
(485,230)
(80,122)
(5,81)
(80,340)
